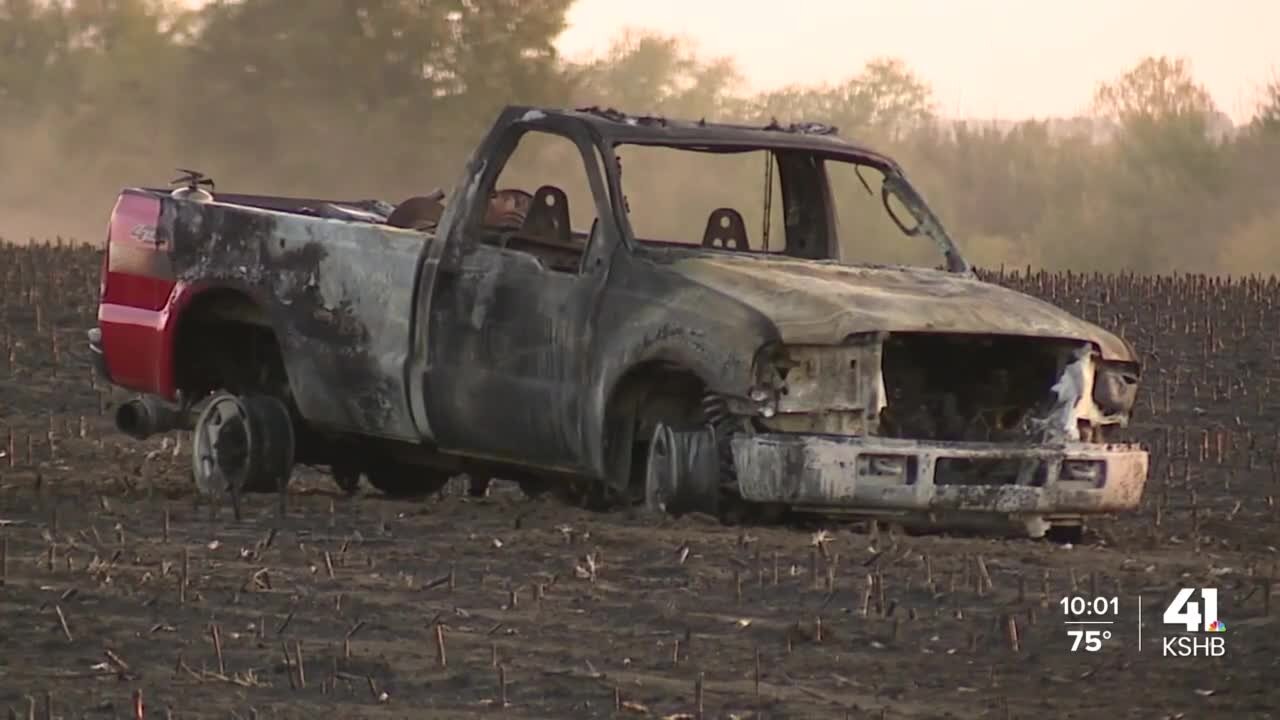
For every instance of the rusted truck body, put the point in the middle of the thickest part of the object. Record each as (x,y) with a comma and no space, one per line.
(711,373)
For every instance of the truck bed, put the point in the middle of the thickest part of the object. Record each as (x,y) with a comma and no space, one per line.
(338,290)
(377,210)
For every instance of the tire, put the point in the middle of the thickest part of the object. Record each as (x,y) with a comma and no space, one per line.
(1066,534)
(534,487)
(689,467)
(401,481)
(478,485)
(346,477)
(242,442)
(682,470)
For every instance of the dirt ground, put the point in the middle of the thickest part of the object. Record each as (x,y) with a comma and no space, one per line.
(116,582)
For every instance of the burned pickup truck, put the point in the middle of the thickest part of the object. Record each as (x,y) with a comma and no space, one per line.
(626,310)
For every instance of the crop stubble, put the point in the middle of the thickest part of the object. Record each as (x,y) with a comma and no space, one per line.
(119,588)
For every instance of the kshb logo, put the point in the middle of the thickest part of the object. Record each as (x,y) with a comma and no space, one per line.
(1195,617)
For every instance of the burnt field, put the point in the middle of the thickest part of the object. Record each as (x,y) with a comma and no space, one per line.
(114,581)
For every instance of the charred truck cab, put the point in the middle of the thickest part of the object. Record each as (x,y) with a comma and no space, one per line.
(621,336)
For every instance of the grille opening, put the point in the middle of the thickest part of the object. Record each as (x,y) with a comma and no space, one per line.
(987,471)
(968,388)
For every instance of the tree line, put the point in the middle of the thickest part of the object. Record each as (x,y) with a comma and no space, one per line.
(385,98)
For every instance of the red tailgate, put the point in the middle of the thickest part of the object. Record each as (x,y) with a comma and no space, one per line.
(137,282)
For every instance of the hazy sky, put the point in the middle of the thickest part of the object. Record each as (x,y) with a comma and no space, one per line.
(984,58)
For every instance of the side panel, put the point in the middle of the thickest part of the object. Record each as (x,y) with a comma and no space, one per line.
(339,295)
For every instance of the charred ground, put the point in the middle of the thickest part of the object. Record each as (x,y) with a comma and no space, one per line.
(115,581)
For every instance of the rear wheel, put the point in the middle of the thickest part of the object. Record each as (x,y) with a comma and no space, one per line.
(478,485)
(242,443)
(534,487)
(401,480)
(346,476)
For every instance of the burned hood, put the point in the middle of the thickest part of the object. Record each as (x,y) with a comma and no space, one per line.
(823,302)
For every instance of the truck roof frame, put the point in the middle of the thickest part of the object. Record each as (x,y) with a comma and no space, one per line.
(618,128)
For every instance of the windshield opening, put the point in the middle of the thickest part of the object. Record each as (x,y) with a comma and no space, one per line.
(772,201)
(879,219)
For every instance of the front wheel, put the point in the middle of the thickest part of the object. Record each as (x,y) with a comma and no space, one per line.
(690,468)
(682,471)
(1066,534)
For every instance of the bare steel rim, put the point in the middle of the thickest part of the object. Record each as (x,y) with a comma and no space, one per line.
(660,470)
(682,471)
(242,444)
(222,447)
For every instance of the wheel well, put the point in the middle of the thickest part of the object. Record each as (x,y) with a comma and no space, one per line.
(225,341)
(647,393)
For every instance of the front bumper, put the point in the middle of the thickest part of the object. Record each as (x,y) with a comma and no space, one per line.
(834,473)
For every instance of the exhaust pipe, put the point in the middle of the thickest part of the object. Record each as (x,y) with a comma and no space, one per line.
(143,417)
